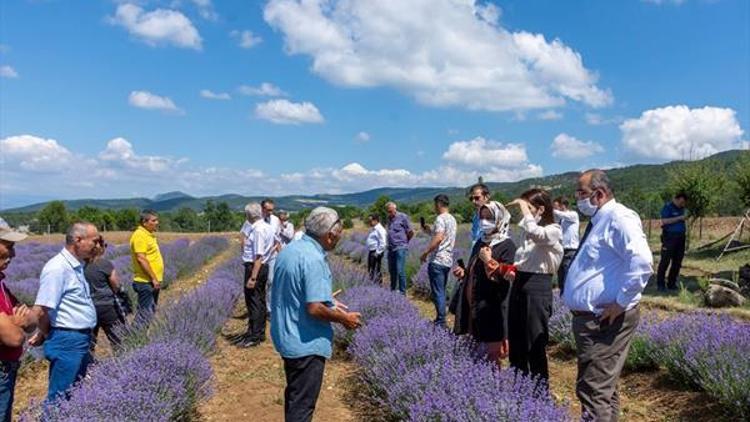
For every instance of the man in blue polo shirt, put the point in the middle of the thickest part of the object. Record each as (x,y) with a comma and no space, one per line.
(302,309)
(399,235)
(672,241)
(65,311)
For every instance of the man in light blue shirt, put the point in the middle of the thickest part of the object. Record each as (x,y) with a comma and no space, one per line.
(602,288)
(65,311)
(303,308)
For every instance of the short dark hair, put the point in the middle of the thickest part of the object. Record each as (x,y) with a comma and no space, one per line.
(147,214)
(682,195)
(481,186)
(375,217)
(540,198)
(562,201)
(266,201)
(442,200)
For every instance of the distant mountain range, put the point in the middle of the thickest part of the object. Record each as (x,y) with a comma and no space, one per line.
(646,177)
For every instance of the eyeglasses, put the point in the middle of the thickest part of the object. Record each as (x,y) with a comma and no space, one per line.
(476,198)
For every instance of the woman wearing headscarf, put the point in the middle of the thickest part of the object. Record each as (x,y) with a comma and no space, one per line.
(537,259)
(481,301)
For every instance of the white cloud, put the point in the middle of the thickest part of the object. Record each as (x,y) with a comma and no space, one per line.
(35,154)
(265,89)
(444,53)
(550,115)
(7,71)
(159,27)
(149,101)
(481,152)
(362,137)
(246,39)
(286,112)
(30,162)
(679,132)
(569,147)
(207,93)
(596,119)
(206,9)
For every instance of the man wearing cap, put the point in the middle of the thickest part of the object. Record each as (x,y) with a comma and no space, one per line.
(65,311)
(14,319)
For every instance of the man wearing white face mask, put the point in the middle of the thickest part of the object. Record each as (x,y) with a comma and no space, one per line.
(603,288)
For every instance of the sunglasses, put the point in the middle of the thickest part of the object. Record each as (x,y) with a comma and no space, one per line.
(476,198)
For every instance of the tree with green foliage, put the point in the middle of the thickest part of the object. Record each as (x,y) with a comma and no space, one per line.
(742,179)
(127,219)
(53,217)
(702,187)
(219,216)
(91,214)
(378,207)
(187,220)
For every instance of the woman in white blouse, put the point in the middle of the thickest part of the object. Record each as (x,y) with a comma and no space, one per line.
(530,307)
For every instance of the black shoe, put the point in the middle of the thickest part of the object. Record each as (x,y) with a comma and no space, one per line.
(672,287)
(661,289)
(238,338)
(249,343)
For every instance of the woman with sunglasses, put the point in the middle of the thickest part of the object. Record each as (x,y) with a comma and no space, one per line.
(537,259)
(102,278)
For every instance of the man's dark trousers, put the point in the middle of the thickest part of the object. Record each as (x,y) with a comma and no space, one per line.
(672,252)
(255,300)
(304,376)
(374,267)
(148,298)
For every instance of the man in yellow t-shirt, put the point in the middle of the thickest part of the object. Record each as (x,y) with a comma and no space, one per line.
(148,264)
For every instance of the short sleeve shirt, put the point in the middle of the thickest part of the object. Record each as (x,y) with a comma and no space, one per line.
(97,274)
(259,240)
(63,289)
(398,229)
(301,276)
(143,241)
(445,223)
(670,210)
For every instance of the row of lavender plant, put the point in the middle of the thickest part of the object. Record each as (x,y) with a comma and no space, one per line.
(181,257)
(418,372)
(162,372)
(701,350)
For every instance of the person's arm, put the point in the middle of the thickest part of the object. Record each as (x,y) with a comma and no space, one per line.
(143,262)
(321,311)
(114,281)
(408,229)
(666,219)
(41,316)
(257,263)
(629,242)
(11,335)
(565,216)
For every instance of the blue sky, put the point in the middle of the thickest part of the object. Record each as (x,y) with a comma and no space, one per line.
(111,98)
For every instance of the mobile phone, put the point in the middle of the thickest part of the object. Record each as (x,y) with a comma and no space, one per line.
(461,264)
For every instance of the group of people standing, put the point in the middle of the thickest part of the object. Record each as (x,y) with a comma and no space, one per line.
(78,295)
(504,295)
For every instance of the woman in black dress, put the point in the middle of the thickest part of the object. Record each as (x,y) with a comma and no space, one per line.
(102,278)
(481,303)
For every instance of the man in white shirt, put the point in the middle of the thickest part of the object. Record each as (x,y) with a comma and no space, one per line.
(258,246)
(568,221)
(286,231)
(603,289)
(376,243)
(439,254)
(267,206)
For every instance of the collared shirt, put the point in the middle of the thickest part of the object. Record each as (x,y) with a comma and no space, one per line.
(671,210)
(398,227)
(376,239)
(301,276)
(613,264)
(476,229)
(540,250)
(64,291)
(445,223)
(144,242)
(287,232)
(259,240)
(570,224)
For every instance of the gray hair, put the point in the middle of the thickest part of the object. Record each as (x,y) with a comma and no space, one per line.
(253,211)
(389,204)
(283,214)
(321,221)
(147,214)
(600,180)
(77,229)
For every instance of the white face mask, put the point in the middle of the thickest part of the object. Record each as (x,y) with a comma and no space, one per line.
(487,226)
(586,207)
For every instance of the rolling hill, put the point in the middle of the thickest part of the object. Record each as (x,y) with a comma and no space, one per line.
(647,178)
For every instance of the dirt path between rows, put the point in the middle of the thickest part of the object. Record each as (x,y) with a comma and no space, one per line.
(33,377)
(249,383)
